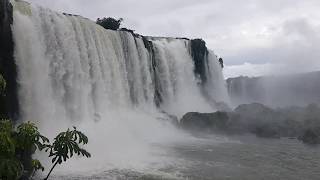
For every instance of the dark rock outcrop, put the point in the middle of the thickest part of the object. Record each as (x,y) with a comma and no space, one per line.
(130,31)
(311,136)
(157,95)
(205,121)
(199,53)
(260,120)
(7,64)
(68,14)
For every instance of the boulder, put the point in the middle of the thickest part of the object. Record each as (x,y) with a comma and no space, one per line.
(217,121)
(311,136)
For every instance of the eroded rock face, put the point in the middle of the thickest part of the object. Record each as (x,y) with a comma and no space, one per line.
(199,54)
(7,64)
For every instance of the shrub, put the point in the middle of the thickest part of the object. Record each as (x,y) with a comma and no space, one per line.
(28,137)
(10,166)
(109,23)
(17,147)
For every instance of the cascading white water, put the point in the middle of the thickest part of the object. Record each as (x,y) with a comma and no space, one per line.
(74,72)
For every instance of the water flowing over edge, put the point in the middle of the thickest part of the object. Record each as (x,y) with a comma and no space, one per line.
(112,84)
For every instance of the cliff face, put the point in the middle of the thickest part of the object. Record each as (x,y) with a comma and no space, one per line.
(199,54)
(7,64)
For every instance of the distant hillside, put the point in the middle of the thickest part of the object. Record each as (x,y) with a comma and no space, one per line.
(275,91)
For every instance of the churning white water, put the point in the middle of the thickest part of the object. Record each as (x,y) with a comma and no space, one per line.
(107,83)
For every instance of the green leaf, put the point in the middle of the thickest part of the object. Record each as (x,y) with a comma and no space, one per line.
(66,144)
(28,136)
(10,168)
(36,165)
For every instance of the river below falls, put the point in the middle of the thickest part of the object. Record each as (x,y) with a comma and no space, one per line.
(218,157)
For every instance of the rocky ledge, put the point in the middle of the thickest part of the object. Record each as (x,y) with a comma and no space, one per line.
(302,123)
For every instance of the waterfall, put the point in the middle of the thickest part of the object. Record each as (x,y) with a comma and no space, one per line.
(113,84)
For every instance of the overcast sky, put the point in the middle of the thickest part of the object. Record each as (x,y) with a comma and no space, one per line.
(254,37)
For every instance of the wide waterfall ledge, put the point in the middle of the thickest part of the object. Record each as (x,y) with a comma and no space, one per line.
(72,68)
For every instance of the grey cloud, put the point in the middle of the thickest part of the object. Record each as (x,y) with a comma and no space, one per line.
(296,48)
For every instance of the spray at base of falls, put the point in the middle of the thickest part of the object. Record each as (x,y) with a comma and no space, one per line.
(110,84)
